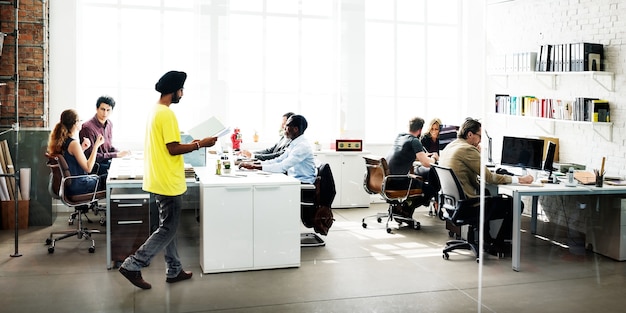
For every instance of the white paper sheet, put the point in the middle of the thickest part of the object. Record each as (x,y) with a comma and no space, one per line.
(212,127)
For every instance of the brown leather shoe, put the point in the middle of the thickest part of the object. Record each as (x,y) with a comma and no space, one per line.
(135,278)
(181,276)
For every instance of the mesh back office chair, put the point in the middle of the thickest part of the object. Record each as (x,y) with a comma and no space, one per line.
(315,207)
(60,179)
(464,212)
(376,180)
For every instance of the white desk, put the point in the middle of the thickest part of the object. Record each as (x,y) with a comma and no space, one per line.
(248,223)
(517,192)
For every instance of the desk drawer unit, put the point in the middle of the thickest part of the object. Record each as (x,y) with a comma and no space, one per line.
(130,223)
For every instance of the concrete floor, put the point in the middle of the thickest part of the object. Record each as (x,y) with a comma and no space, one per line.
(359,270)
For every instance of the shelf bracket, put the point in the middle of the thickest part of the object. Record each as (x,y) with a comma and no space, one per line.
(605,131)
(604,79)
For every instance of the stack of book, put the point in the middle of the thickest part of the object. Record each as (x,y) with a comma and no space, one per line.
(189,172)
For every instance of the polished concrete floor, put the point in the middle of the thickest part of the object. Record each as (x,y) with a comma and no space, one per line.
(359,270)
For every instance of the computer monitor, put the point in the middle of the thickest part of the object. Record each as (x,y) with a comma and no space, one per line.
(526,153)
(447,134)
(548,164)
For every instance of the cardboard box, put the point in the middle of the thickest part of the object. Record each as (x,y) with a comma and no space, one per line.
(8,214)
(545,147)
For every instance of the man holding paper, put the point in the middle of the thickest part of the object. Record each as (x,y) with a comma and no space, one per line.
(164,178)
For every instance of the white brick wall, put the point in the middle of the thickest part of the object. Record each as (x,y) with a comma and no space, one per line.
(524,25)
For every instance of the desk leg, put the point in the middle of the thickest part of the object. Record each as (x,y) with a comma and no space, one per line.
(517,224)
(108,213)
(533,216)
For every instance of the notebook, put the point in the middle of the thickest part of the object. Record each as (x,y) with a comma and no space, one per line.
(585,178)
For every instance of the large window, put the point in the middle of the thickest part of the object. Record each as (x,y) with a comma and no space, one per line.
(412,62)
(347,66)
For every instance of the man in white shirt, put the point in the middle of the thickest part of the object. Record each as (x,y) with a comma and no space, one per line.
(276,150)
(297,160)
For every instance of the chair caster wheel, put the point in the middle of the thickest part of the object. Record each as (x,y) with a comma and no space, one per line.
(51,250)
(48,242)
(70,223)
(417,226)
(477,260)
(103,223)
(364,225)
(388,230)
(92,249)
(380,220)
(446,256)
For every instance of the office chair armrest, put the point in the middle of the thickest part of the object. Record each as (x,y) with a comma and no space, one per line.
(415,176)
(403,177)
(96,177)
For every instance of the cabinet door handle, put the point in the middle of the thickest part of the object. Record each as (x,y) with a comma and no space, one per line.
(129,222)
(266,187)
(238,188)
(128,205)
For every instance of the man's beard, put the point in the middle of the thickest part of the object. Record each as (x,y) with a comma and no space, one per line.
(175,97)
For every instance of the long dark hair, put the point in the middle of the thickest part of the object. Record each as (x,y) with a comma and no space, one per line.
(62,130)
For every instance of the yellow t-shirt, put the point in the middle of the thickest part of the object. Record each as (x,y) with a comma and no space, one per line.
(164,173)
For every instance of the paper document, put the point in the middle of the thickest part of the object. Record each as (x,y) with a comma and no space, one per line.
(212,127)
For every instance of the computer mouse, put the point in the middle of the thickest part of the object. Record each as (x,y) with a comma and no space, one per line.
(503,171)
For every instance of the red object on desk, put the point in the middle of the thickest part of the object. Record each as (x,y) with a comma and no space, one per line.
(236,139)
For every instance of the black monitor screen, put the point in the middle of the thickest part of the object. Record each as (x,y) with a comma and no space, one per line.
(522,152)
(548,165)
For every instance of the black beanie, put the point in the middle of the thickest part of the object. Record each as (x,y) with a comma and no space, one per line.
(170,82)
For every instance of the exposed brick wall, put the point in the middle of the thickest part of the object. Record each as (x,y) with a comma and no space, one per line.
(521,26)
(31,59)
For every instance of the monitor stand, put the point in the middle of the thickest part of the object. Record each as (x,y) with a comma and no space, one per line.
(552,179)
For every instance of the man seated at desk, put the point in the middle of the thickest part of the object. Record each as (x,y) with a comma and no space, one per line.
(276,150)
(297,160)
(407,148)
(463,157)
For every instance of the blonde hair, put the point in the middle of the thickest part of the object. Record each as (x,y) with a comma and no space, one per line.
(430,125)
(62,130)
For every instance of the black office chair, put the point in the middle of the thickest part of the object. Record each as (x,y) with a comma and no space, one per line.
(315,207)
(464,212)
(60,179)
(376,181)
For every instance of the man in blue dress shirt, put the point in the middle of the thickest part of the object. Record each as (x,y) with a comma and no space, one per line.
(298,160)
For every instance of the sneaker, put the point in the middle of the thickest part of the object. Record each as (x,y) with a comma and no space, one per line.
(135,278)
(181,276)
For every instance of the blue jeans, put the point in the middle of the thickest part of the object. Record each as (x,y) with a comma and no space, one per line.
(162,237)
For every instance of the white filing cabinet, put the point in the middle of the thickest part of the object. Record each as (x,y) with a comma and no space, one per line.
(348,171)
(606,228)
(248,223)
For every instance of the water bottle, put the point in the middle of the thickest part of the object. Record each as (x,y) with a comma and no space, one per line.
(218,168)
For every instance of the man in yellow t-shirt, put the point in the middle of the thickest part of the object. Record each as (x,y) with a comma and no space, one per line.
(164,178)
